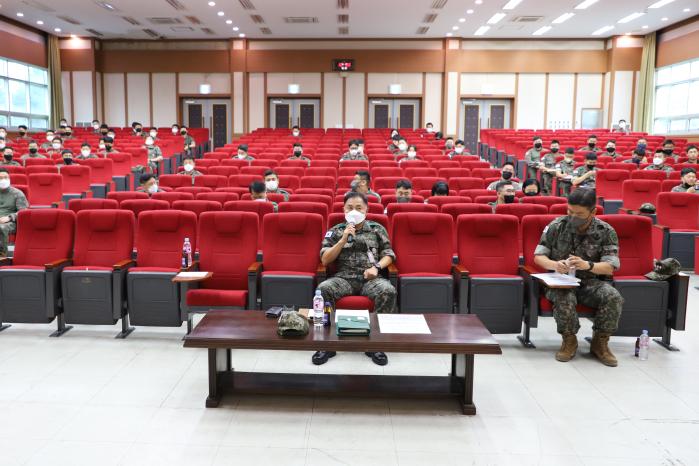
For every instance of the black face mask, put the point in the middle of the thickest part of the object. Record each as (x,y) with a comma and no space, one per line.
(537,145)
(509,198)
(22,133)
(591,167)
(8,157)
(183,132)
(531,193)
(506,175)
(611,150)
(641,152)
(667,151)
(108,146)
(68,133)
(554,150)
(591,145)
(33,150)
(297,152)
(104,132)
(138,130)
(67,160)
(687,185)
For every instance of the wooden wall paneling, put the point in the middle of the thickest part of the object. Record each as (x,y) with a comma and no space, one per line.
(126,102)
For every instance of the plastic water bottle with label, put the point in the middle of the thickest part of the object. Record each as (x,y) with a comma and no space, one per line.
(643,344)
(318,309)
(186,253)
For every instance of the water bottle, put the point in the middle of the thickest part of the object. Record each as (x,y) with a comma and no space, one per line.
(643,344)
(318,304)
(186,253)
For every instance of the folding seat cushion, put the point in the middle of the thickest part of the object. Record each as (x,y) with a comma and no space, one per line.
(198,207)
(194,190)
(291,247)
(677,216)
(488,269)
(153,299)
(173,196)
(211,181)
(217,196)
(94,286)
(326,182)
(45,189)
(423,245)
(124,195)
(443,200)
(548,201)
(637,192)
(227,247)
(302,206)
(76,205)
(30,281)
(609,188)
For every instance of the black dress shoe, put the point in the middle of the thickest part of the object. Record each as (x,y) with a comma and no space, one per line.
(321,357)
(379,358)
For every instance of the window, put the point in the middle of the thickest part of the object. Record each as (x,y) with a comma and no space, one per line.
(24,95)
(676,109)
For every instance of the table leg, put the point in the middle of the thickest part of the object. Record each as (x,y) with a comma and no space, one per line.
(218,361)
(467,402)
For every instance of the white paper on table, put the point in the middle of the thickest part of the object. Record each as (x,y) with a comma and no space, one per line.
(557,279)
(192,274)
(352,313)
(403,323)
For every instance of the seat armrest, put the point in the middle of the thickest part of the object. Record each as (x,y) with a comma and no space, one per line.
(679,294)
(532,290)
(125,264)
(255,267)
(661,227)
(393,274)
(60,263)
(459,271)
(253,278)
(528,270)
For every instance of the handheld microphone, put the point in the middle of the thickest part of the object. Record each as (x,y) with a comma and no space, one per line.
(350,238)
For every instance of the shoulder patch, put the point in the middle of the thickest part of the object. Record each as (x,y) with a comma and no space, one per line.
(329,234)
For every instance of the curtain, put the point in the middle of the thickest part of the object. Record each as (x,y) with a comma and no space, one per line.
(643,120)
(55,83)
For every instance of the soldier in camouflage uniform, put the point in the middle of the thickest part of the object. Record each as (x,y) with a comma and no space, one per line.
(564,171)
(272,184)
(258,192)
(689,182)
(591,246)
(243,153)
(155,155)
(8,154)
(362,184)
(12,200)
(189,143)
(358,264)
(611,149)
(189,168)
(591,144)
(586,176)
(353,153)
(659,163)
(548,168)
(533,157)
(298,154)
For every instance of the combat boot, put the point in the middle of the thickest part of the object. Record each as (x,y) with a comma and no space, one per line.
(600,349)
(568,348)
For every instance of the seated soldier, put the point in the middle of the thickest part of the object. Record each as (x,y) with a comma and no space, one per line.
(507,173)
(85,152)
(353,153)
(155,155)
(531,187)
(66,157)
(242,153)
(8,155)
(362,184)
(659,162)
(258,192)
(440,188)
(410,155)
(12,200)
(34,150)
(506,194)
(272,184)
(689,181)
(298,154)
(586,176)
(404,191)
(149,184)
(189,168)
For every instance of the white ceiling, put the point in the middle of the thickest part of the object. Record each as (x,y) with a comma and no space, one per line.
(367,18)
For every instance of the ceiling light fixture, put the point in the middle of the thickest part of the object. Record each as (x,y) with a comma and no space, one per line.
(496,18)
(602,30)
(469,12)
(629,18)
(660,4)
(220,13)
(645,26)
(229,21)
(511,5)
(687,10)
(664,19)
(73,36)
(586,4)
(20,14)
(455,28)
(479,2)
(40,23)
(449,34)
(542,31)
(108,6)
(236,28)
(241,35)
(627,33)
(563,18)
(212,3)
(462,20)
(481,30)
(56,29)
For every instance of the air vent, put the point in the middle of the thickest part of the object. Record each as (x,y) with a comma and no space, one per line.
(95,33)
(182,29)
(164,21)
(257,19)
(344,30)
(208,31)
(526,19)
(247,5)
(343,19)
(439,4)
(343,4)
(131,20)
(300,19)
(176,5)
(193,19)
(70,20)
(266,31)
(39,6)
(106,5)
(151,33)
(429,18)
(422,30)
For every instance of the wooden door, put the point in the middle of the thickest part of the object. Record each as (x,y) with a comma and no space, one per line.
(406,116)
(472,120)
(195,115)
(497,117)
(307,114)
(381,116)
(282,115)
(219,126)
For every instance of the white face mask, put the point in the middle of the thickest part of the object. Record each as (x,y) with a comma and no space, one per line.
(2,145)
(153,188)
(188,167)
(261,199)
(657,161)
(56,145)
(3,134)
(402,146)
(149,142)
(295,133)
(175,130)
(102,147)
(85,152)
(50,137)
(459,150)
(153,134)
(272,185)
(622,124)
(241,156)
(412,154)
(430,130)
(4,183)
(354,151)
(95,127)
(355,216)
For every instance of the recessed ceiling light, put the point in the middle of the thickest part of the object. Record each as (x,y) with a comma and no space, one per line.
(627,33)
(496,18)
(541,31)
(449,34)
(664,19)
(585,4)
(56,29)
(687,10)
(511,5)
(481,30)
(602,30)
(73,36)
(645,26)
(469,12)
(20,14)
(629,18)
(479,2)
(212,3)
(220,13)
(40,23)
(462,20)
(455,28)
(563,18)
(241,35)
(236,28)
(229,21)
(661,3)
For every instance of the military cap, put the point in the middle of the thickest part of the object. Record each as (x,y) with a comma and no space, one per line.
(664,269)
(292,324)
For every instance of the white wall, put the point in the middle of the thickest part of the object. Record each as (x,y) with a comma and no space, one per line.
(83,98)
(452,86)
(220,83)
(65,86)
(238,103)
(561,91)
(589,94)
(531,95)
(278,83)
(487,84)
(256,99)
(433,100)
(332,100)
(623,96)
(378,83)
(138,97)
(164,99)
(98,94)
(114,110)
(355,101)
(605,99)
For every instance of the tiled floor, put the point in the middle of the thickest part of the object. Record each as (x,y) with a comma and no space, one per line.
(88,399)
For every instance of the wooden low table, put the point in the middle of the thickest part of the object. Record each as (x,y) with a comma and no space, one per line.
(461,335)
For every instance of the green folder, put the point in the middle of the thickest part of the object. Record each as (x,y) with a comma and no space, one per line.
(353,325)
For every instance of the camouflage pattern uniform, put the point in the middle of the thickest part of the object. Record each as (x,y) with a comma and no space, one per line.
(12,200)
(35,156)
(614,154)
(587,149)
(301,157)
(153,153)
(588,183)
(80,156)
(549,161)
(663,167)
(280,191)
(515,184)
(370,242)
(348,156)
(682,189)
(599,243)
(533,158)
(12,163)
(247,158)
(566,168)
(188,141)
